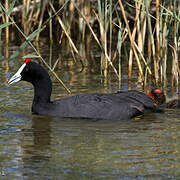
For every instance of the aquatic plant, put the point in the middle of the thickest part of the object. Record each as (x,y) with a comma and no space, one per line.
(143,31)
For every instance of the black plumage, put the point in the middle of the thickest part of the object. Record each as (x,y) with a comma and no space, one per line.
(120,106)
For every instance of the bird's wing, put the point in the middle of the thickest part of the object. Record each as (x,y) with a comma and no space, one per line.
(101,106)
(136,97)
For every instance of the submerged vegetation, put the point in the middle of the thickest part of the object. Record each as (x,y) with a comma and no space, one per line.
(143,33)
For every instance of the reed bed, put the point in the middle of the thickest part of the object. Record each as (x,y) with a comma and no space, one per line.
(143,33)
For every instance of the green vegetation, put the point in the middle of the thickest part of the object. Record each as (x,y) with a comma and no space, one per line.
(144,33)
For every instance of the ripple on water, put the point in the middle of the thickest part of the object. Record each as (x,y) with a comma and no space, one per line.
(40,147)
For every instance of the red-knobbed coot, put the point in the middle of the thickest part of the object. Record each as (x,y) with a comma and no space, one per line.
(159,98)
(120,106)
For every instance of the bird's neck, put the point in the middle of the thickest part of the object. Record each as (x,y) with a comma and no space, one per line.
(42,91)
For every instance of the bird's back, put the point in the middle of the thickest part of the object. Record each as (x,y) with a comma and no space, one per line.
(121,105)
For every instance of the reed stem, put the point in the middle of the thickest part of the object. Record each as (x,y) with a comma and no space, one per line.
(7,21)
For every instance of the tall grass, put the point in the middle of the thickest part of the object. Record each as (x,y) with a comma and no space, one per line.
(145,31)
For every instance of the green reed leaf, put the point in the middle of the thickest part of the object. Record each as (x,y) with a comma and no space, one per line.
(5,25)
(11,8)
(31,56)
(33,34)
(18,51)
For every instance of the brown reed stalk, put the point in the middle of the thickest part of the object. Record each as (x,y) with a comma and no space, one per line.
(110,28)
(138,6)
(141,28)
(163,45)
(36,16)
(23,13)
(97,40)
(122,35)
(24,22)
(141,55)
(176,30)
(44,3)
(31,15)
(85,8)
(131,40)
(64,29)
(151,41)
(174,76)
(157,30)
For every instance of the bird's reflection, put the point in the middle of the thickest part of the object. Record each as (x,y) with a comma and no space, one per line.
(37,151)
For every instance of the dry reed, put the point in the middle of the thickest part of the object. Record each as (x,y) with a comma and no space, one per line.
(155,28)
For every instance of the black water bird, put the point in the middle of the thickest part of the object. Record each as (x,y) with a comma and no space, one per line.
(161,101)
(120,106)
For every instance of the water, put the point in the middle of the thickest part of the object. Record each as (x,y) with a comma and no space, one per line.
(39,147)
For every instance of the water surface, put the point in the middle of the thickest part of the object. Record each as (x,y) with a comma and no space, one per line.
(40,147)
